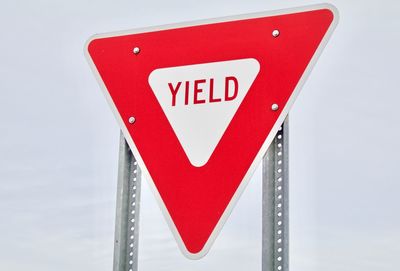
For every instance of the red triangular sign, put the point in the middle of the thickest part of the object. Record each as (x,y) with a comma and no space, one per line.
(207,99)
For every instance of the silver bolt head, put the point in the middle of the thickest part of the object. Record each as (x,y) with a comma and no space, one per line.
(274,107)
(275,33)
(132,120)
(136,50)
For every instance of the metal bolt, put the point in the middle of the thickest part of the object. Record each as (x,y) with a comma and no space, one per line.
(136,50)
(275,33)
(274,107)
(132,120)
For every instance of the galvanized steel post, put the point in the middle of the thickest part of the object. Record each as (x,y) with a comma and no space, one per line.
(128,206)
(275,209)
(275,215)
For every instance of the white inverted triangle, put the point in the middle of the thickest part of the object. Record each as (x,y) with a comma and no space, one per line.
(199,127)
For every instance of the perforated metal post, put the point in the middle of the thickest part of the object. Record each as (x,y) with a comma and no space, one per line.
(275,220)
(128,206)
(274,207)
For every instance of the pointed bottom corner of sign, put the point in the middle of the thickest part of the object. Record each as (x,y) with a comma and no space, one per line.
(195,255)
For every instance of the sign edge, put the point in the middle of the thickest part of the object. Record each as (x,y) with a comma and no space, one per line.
(265,145)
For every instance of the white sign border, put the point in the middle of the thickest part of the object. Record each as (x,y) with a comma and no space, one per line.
(266,143)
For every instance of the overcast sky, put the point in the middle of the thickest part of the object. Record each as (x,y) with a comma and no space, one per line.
(59,144)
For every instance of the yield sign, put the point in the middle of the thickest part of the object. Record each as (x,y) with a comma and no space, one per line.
(199,104)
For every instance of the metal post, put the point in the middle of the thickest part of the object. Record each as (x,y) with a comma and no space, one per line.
(128,206)
(275,217)
(274,207)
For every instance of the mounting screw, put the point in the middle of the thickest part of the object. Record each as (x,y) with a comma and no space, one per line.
(274,107)
(136,50)
(275,33)
(132,120)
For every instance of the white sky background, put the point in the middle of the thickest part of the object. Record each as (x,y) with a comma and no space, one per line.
(59,143)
